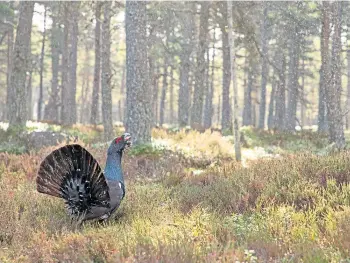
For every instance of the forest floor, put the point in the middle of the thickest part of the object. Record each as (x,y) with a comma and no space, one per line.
(187,200)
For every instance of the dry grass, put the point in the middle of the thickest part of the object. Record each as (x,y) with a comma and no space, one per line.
(294,209)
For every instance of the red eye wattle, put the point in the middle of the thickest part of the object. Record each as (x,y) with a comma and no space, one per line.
(118,140)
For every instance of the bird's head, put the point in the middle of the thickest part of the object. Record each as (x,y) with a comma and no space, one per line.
(120,143)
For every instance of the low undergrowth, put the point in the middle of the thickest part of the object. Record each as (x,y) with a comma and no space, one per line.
(188,201)
(292,209)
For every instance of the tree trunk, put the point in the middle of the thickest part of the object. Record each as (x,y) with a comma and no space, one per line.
(139,116)
(280,92)
(208,110)
(18,110)
(84,109)
(271,117)
(264,70)
(234,83)
(97,70)
(324,70)
(52,109)
(171,102)
(164,91)
(348,78)
(29,95)
(65,93)
(226,123)
(184,89)
(198,95)
(42,56)
(106,73)
(334,89)
(247,109)
(155,77)
(122,92)
(302,96)
(9,68)
(74,63)
(293,84)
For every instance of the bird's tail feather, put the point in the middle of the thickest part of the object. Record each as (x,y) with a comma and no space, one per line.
(73,174)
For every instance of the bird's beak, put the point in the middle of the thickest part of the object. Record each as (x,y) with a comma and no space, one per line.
(128,141)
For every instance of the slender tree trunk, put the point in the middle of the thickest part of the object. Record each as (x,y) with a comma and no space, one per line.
(139,115)
(302,96)
(97,72)
(171,106)
(106,73)
(247,109)
(155,78)
(271,117)
(164,91)
(333,91)
(208,110)
(29,95)
(219,111)
(42,56)
(65,92)
(9,67)
(324,70)
(52,109)
(226,124)
(198,95)
(280,92)
(84,109)
(234,83)
(184,89)
(348,79)
(122,100)
(264,71)
(18,110)
(293,84)
(74,63)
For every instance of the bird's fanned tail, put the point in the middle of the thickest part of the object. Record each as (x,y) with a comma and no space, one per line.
(73,174)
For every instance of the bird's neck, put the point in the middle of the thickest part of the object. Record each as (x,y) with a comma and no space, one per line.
(113,169)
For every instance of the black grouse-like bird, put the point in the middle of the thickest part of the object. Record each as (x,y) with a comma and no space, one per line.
(73,174)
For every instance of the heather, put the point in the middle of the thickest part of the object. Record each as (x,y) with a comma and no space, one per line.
(190,202)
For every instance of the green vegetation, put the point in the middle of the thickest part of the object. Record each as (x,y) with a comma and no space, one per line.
(293,207)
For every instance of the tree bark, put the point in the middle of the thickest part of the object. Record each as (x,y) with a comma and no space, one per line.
(302,96)
(198,95)
(333,91)
(293,84)
(139,111)
(226,123)
(348,78)
(52,109)
(271,117)
(18,110)
(171,99)
(106,73)
(184,89)
(234,83)
(280,92)
(42,56)
(9,67)
(264,70)
(208,110)
(97,70)
(74,63)
(247,109)
(65,92)
(84,105)
(164,91)
(324,70)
